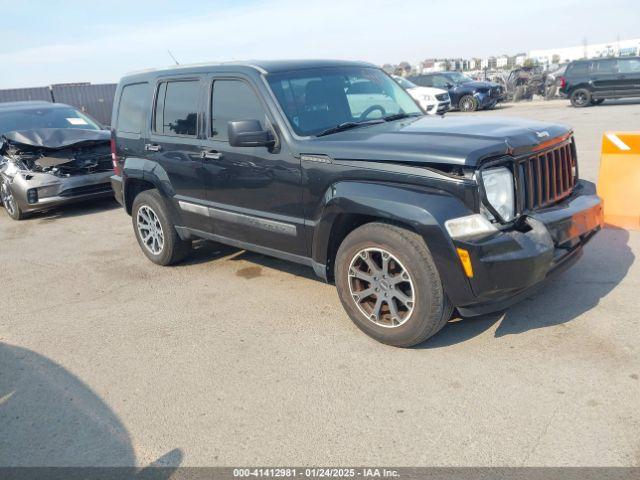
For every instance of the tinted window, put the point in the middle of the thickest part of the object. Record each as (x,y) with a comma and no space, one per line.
(318,99)
(132,111)
(177,108)
(604,66)
(629,65)
(232,100)
(45,117)
(580,68)
(440,81)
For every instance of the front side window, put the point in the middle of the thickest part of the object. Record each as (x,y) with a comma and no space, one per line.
(232,100)
(629,65)
(315,100)
(176,111)
(132,111)
(440,81)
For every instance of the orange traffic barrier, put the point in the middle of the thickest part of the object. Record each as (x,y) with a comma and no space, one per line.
(619,179)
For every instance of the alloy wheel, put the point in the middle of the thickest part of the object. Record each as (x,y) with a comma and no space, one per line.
(580,98)
(150,229)
(381,287)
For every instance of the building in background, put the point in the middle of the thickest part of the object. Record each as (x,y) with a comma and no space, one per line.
(562,55)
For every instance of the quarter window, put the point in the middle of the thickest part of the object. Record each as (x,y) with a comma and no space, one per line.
(132,111)
(232,100)
(176,111)
(629,65)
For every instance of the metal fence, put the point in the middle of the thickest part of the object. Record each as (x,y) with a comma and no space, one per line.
(96,100)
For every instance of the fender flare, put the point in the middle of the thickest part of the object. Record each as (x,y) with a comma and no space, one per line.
(423,209)
(151,172)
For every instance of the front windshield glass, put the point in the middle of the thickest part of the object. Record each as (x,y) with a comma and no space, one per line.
(318,99)
(459,78)
(45,117)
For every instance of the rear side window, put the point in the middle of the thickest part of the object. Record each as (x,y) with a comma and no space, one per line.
(580,68)
(132,111)
(176,111)
(232,100)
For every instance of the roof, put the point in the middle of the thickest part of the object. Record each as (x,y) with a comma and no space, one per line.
(29,105)
(260,66)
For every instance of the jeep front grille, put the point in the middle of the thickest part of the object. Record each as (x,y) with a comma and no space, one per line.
(546,177)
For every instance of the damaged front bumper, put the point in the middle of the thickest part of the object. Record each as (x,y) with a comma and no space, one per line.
(40,191)
(510,265)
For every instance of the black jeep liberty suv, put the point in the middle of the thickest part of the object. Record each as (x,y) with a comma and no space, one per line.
(412,216)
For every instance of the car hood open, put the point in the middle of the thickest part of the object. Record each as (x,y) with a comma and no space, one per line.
(56,138)
(458,140)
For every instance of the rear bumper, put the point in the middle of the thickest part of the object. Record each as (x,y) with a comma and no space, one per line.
(511,265)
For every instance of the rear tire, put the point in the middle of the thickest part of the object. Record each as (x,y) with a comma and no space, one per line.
(9,202)
(468,104)
(580,98)
(155,233)
(409,304)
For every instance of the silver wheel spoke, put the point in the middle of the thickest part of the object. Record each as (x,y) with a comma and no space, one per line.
(374,276)
(150,230)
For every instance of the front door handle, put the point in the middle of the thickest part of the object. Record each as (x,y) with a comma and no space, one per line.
(152,147)
(212,155)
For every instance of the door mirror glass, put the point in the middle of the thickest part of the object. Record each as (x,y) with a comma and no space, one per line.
(249,133)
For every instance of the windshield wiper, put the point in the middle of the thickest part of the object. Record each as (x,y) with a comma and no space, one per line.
(398,116)
(347,126)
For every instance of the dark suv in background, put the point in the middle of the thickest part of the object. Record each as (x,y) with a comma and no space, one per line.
(410,215)
(467,95)
(591,82)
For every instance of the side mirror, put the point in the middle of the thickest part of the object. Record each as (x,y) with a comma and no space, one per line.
(449,85)
(249,133)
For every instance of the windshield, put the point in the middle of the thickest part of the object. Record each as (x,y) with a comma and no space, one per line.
(458,78)
(315,100)
(45,117)
(404,83)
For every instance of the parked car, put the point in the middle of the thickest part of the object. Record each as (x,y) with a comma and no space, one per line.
(412,216)
(591,82)
(50,154)
(466,95)
(432,100)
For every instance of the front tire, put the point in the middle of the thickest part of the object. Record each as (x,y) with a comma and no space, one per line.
(155,233)
(389,286)
(580,98)
(9,202)
(468,103)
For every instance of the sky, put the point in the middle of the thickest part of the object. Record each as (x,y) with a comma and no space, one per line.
(45,42)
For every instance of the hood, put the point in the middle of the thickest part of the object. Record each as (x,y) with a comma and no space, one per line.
(419,91)
(56,138)
(458,140)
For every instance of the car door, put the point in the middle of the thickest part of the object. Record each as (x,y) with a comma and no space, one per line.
(604,78)
(174,144)
(254,193)
(628,77)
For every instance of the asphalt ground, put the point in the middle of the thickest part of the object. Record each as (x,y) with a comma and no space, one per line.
(234,358)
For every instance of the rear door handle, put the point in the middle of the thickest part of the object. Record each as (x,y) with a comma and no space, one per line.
(152,147)
(212,155)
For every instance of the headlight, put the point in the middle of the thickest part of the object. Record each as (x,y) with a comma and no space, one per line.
(498,186)
(427,98)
